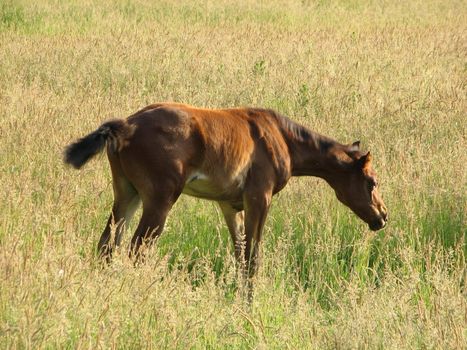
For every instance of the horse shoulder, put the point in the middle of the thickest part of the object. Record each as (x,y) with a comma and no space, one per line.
(272,148)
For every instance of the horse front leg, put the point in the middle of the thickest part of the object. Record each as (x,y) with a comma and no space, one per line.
(235,220)
(256,205)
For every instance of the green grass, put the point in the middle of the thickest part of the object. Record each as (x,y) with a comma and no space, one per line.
(389,74)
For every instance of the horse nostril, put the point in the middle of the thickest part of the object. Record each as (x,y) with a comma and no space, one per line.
(384,214)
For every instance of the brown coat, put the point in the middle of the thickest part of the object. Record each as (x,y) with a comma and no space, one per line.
(238,157)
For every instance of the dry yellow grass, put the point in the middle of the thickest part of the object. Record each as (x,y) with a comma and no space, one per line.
(392,74)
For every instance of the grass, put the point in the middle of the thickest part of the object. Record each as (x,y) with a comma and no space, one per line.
(391,74)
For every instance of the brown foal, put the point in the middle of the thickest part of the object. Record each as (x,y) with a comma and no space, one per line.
(239,158)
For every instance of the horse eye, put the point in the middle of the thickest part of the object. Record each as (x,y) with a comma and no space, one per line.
(372,184)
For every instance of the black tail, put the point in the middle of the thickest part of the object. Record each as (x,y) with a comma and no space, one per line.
(79,152)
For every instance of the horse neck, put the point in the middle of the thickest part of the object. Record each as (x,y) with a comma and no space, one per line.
(310,160)
(310,154)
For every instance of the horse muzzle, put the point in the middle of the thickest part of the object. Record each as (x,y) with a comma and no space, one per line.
(379,223)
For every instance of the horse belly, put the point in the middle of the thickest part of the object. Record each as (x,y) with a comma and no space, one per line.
(201,186)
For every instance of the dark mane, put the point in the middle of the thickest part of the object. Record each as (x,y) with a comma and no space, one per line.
(301,133)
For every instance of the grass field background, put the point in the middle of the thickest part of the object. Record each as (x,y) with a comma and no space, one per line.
(389,73)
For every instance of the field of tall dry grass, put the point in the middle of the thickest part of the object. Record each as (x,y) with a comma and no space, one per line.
(389,73)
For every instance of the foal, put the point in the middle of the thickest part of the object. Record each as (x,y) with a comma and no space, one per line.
(239,158)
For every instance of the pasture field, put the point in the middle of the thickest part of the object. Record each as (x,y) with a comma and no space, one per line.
(389,73)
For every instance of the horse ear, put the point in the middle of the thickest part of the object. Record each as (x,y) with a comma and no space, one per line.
(355,146)
(364,161)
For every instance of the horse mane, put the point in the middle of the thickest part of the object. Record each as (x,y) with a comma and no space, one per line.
(300,133)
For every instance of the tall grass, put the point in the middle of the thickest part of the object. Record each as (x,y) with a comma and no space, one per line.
(391,74)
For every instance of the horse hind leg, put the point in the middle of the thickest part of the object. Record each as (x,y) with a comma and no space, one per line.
(126,202)
(156,207)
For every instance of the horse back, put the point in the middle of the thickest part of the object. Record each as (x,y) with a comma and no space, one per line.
(221,146)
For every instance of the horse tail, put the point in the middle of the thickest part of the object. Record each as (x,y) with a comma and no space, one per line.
(114,133)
